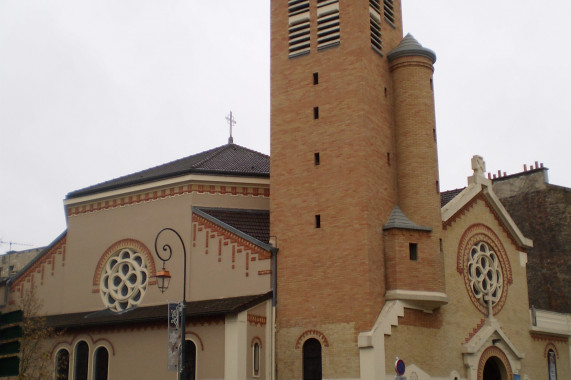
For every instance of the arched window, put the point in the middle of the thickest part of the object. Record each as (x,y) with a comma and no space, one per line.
(312,359)
(552,365)
(62,364)
(101,367)
(190,360)
(256,359)
(81,360)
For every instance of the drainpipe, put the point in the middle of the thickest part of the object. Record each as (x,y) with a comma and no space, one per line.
(274,252)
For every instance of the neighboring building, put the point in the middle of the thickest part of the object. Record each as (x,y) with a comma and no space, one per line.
(354,260)
(543,212)
(13,261)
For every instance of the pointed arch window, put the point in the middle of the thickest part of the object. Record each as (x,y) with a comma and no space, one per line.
(312,359)
(101,365)
(81,360)
(62,364)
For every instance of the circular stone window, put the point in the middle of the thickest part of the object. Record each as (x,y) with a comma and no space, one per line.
(485,274)
(124,280)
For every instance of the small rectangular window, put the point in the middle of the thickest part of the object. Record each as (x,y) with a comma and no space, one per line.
(316,159)
(413,251)
(316,113)
(317,221)
(315,78)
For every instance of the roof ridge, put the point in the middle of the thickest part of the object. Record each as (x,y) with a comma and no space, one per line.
(215,152)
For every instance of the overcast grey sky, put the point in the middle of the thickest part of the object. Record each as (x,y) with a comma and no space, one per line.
(94,89)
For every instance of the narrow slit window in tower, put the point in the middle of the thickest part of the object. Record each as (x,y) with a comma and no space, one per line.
(315,78)
(413,251)
(316,113)
(317,221)
(316,159)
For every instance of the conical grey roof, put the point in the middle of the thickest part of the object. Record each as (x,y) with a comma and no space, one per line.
(409,46)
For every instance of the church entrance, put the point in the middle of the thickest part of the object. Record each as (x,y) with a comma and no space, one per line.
(494,369)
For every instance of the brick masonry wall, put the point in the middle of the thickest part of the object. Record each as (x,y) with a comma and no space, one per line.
(330,278)
(545,217)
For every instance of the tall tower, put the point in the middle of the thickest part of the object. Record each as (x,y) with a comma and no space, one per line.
(335,140)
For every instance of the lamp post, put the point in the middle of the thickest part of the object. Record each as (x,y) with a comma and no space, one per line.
(163,279)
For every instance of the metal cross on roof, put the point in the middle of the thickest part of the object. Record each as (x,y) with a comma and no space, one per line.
(231,123)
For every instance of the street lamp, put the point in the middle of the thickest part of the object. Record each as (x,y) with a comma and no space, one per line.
(163,279)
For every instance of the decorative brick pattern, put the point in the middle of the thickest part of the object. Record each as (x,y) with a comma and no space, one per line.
(494,352)
(550,346)
(475,330)
(174,191)
(47,260)
(548,338)
(312,334)
(256,320)
(240,247)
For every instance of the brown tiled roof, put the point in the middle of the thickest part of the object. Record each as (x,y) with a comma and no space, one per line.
(229,159)
(447,196)
(255,223)
(151,314)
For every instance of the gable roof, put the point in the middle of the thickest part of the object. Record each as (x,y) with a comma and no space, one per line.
(447,196)
(228,160)
(251,225)
(254,223)
(480,185)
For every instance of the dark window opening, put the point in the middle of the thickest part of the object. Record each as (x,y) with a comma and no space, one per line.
(101,364)
(317,221)
(62,365)
(81,360)
(388,159)
(315,78)
(190,360)
(312,360)
(316,112)
(316,160)
(413,251)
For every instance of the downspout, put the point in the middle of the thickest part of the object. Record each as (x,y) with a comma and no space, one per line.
(274,252)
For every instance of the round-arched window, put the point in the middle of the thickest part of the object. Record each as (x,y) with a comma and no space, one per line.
(124,280)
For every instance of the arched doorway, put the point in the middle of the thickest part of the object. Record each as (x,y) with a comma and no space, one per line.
(494,369)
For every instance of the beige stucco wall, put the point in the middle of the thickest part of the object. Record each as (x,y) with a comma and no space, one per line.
(67,284)
(220,265)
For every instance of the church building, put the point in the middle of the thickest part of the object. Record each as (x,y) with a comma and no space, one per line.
(348,262)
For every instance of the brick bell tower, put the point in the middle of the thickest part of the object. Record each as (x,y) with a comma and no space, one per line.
(354,175)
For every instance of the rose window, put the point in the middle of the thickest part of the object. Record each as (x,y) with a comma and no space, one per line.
(124,280)
(485,274)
